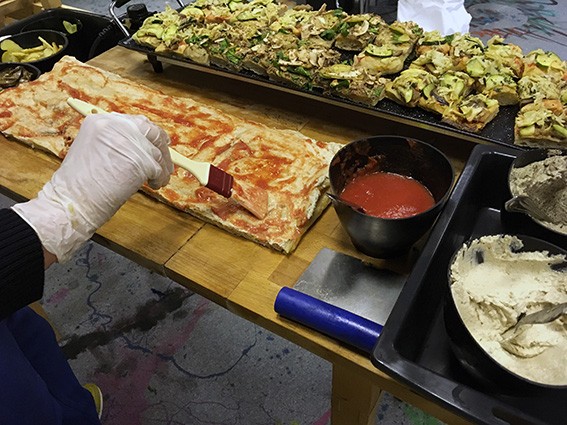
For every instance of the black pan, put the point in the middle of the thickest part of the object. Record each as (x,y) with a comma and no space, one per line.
(477,362)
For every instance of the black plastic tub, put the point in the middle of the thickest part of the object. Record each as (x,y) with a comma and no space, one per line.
(31,39)
(97,33)
(57,23)
(16,69)
(414,346)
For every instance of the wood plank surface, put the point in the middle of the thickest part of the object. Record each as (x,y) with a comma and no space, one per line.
(233,272)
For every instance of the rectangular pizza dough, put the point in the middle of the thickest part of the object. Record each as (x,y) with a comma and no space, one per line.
(292,167)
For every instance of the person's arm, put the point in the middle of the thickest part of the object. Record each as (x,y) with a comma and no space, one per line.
(111,158)
(21,260)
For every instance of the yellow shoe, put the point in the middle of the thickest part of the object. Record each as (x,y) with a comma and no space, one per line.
(97,397)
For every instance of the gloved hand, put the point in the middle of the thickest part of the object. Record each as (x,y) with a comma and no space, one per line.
(111,158)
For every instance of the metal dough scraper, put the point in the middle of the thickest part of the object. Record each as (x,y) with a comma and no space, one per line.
(342,297)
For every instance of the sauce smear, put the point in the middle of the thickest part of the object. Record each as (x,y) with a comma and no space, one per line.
(388,195)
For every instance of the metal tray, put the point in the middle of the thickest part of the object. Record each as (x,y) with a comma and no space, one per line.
(499,131)
(414,346)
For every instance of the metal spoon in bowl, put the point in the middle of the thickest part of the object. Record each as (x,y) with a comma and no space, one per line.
(546,315)
(525,204)
(350,204)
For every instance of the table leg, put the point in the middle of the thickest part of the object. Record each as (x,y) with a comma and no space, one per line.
(354,398)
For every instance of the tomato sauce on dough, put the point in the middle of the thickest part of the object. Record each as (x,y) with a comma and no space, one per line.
(388,195)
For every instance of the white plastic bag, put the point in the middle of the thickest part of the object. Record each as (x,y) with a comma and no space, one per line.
(445,16)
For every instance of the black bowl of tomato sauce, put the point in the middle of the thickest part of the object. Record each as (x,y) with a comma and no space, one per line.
(388,191)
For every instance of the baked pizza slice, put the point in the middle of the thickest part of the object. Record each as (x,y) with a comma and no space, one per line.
(225,11)
(320,29)
(399,33)
(339,72)
(493,79)
(540,62)
(354,84)
(223,51)
(247,27)
(407,88)
(381,60)
(232,49)
(463,48)
(433,40)
(173,32)
(257,59)
(292,20)
(480,66)
(264,12)
(541,124)
(451,87)
(247,32)
(472,113)
(299,66)
(538,87)
(192,16)
(355,32)
(267,50)
(500,87)
(507,55)
(159,29)
(388,52)
(192,44)
(433,61)
(213,11)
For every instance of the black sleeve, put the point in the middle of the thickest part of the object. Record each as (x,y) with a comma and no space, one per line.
(21,264)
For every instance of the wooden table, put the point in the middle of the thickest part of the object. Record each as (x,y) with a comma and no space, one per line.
(235,273)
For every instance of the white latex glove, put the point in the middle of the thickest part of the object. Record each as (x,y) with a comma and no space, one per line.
(111,158)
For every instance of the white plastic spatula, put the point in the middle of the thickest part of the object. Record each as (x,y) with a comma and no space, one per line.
(255,201)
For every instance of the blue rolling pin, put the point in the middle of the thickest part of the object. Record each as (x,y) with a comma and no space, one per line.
(326,318)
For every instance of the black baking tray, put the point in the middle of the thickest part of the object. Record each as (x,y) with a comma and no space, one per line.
(414,346)
(499,131)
